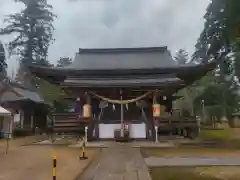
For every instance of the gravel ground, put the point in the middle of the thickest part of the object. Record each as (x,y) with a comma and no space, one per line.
(35,162)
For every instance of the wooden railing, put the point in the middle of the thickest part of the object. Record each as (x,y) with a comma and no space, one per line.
(177,121)
(68,123)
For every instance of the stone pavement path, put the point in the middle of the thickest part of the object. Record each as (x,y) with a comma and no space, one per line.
(119,162)
(192,161)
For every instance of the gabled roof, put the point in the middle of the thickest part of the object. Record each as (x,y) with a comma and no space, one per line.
(123,58)
(126,67)
(4,112)
(12,91)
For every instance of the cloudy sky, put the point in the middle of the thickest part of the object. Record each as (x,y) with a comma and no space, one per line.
(120,23)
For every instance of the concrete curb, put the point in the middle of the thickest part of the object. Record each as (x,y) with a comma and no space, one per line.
(95,157)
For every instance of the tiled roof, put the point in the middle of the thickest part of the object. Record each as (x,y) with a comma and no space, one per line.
(123,58)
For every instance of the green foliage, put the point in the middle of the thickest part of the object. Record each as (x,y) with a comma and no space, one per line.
(178,173)
(19,132)
(221,30)
(219,40)
(50,92)
(216,135)
(187,102)
(34,29)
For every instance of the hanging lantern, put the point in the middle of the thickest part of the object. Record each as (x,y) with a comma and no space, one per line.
(87,110)
(156,110)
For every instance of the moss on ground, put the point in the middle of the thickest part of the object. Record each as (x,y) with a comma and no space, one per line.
(189,152)
(224,137)
(217,135)
(178,174)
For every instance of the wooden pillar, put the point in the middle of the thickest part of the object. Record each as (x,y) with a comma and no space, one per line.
(21,118)
(96,122)
(10,127)
(156,115)
(153,137)
(32,120)
(90,124)
(122,121)
(146,121)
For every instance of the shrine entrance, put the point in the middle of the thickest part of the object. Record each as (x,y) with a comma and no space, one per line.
(123,119)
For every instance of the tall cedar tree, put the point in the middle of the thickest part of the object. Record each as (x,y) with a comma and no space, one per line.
(34,29)
(221,32)
(219,40)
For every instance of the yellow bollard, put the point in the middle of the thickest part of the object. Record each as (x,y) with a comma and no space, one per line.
(83,157)
(54,165)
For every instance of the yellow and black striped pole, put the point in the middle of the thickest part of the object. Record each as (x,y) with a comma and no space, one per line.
(54,165)
(83,157)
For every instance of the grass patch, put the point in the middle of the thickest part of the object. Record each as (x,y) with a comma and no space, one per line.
(225,137)
(178,174)
(190,152)
(216,135)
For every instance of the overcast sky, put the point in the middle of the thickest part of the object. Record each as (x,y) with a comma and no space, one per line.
(120,23)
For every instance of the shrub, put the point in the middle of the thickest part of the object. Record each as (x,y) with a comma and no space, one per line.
(21,132)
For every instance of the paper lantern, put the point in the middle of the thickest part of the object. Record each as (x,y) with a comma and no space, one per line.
(87,111)
(156,110)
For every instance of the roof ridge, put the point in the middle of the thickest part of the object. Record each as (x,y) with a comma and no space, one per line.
(19,85)
(121,50)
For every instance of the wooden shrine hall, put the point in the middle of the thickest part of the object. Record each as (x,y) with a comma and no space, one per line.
(124,91)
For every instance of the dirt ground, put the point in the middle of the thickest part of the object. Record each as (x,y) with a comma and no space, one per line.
(35,162)
(23,140)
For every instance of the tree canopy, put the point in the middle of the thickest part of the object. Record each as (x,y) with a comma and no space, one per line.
(220,40)
(64,61)
(34,29)
(3,64)
(181,56)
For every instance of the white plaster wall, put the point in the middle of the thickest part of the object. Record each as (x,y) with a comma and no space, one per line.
(7,125)
(107,130)
(16,118)
(138,131)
